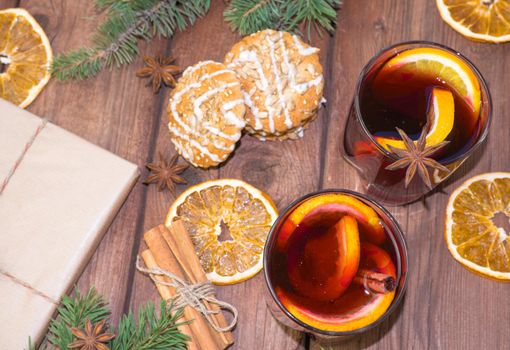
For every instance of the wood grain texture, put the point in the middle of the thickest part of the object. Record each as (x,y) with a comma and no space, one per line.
(8,3)
(262,164)
(445,307)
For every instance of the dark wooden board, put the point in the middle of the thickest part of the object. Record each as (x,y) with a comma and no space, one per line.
(445,307)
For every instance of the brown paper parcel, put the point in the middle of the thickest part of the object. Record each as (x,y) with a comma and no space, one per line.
(53,212)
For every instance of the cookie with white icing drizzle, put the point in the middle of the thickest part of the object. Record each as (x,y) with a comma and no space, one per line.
(282,83)
(206,114)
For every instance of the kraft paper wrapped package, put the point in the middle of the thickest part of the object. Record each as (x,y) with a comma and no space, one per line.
(54,209)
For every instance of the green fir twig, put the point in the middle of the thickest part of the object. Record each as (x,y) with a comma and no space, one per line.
(151,332)
(74,312)
(249,16)
(116,41)
(150,329)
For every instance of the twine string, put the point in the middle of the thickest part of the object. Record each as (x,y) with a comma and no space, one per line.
(192,295)
(24,151)
(28,286)
(3,185)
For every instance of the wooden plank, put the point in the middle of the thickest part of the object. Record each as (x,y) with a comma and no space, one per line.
(187,48)
(445,306)
(4,4)
(285,170)
(113,110)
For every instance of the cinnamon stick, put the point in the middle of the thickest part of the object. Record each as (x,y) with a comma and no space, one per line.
(167,293)
(165,259)
(374,281)
(184,251)
(184,256)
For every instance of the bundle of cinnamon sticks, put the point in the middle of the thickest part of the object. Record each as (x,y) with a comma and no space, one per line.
(171,249)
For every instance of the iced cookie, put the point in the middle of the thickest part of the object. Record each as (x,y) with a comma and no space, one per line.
(282,83)
(206,114)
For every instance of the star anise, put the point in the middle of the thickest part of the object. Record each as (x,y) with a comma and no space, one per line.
(91,338)
(160,70)
(416,156)
(166,173)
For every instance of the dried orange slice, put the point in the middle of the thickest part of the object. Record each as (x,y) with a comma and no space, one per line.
(487,20)
(441,116)
(212,207)
(475,218)
(442,64)
(25,57)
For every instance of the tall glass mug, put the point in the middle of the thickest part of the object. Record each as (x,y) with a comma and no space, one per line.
(416,87)
(335,265)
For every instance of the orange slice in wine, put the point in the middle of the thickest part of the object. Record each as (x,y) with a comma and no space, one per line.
(335,205)
(443,65)
(378,260)
(441,116)
(314,275)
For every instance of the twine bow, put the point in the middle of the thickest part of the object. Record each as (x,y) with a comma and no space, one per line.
(192,295)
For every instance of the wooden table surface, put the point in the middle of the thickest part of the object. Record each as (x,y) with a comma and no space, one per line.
(445,307)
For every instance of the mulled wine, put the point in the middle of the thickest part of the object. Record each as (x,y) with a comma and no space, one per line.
(334,264)
(417,88)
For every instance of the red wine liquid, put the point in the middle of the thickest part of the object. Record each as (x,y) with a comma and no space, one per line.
(397,100)
(311,250)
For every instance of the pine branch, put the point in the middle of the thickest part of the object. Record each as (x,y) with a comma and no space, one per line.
(319,13)
(115,42)
(149,330)
(103,4)
(73,312)
(249,16)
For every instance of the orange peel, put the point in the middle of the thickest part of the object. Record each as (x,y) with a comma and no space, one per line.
(247,212)
(486,21)
(446,66)
(329,281)
(337,204)
(26,53)
(441,116)
(472,236)
(366,315)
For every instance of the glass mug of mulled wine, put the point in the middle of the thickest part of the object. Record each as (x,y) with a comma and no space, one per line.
(420,110)
(335,264)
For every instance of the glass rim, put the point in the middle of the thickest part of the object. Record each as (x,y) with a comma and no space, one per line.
(402,282)
(481,80)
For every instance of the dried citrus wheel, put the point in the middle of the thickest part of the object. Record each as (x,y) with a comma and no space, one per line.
(441,116)
(480,20)
(474,216)
(444,65)
(25,56)
(212,207)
